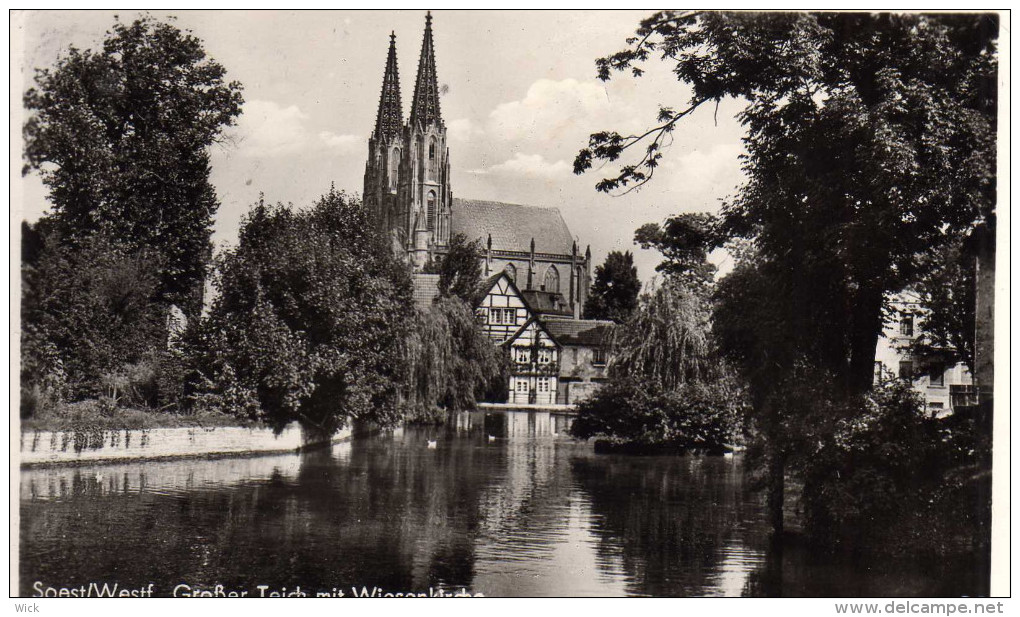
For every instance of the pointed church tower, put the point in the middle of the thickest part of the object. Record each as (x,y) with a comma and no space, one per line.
(427,160)
(385,151)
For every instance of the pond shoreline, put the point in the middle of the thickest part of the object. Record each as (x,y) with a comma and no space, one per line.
(99,446)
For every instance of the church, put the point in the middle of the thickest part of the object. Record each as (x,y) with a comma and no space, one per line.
(408,192)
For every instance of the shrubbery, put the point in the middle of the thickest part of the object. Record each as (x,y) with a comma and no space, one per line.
(643,416)
(891,477)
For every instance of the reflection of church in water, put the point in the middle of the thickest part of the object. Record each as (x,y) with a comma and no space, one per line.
(407,190)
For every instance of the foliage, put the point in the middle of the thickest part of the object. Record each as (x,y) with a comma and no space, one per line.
(308,323)
(667,341)
(120,136)
(90,322)
(684,242)
(947,293)
(704,415)
(450,362)
(667,388)
(103,414)
(890,477)
(614,294)
(870,141)
(459,269)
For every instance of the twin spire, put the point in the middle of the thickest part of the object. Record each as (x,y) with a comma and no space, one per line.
(424,105)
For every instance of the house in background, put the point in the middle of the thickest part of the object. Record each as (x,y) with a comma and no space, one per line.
(944,384)
(584,356)
(554,358)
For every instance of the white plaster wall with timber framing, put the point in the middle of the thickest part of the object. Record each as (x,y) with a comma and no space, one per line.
(534,361)
(502,311)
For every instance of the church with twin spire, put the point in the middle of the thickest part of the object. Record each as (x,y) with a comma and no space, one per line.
(408,192)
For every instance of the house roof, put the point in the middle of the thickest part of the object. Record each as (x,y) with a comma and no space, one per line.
(587,332)
(426,290)
(512,226)
(546,302)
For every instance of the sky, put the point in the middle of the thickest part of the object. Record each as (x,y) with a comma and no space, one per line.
(521,98)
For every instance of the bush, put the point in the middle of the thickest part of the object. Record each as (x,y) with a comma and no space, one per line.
(637,413)
(893,479)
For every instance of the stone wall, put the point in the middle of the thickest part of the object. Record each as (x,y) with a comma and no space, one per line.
(76,446)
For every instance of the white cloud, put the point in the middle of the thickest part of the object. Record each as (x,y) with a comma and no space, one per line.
(266,129)
(462,130)
(527,165)
(345,143)
(551,110)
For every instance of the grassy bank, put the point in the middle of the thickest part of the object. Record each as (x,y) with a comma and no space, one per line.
(94,414)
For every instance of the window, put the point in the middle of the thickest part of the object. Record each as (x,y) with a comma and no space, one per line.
(878,372)
(906,324)
(552,280)
(522,355)
(511,271)
(521,386)
(906,370)
(432,159)
(543,384)
(598,356)
(394,168)
(545,356)
(482,315)
(503,316)
(431,211)
(937,377)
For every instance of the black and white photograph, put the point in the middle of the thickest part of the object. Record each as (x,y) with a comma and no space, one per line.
(519,303)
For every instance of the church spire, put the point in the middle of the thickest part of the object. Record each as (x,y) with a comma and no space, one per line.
(390,118)
(425,105)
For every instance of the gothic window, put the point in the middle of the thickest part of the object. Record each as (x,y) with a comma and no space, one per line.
(394,167)
(432,159)
(552,280)
(431,210)
(511,271)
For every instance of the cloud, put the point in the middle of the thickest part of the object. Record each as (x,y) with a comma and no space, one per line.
(344,143)
(267,129)
(463,130)
(550,109)
(527,165)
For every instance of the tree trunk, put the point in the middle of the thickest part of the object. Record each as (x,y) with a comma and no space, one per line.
(867,327)
(776,484)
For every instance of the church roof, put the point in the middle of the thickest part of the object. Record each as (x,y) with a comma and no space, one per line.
(512,226)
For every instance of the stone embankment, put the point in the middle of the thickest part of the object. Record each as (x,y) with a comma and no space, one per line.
(104,445)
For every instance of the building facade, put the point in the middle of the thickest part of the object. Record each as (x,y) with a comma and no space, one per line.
(944,384)
(408,192)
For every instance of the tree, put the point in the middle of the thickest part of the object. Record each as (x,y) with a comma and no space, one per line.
(88,315)
(614,295)
(667,387)
(120,137)
(310,319)
(450,362)
(459,269)
(871,140)
(685,242)
(870,143)
(947,293)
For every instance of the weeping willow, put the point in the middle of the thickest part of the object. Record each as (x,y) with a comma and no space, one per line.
(667,340)
(449,362)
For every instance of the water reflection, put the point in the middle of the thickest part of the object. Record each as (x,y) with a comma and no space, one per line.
(504,504)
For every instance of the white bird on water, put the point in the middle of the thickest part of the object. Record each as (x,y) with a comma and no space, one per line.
(431,444)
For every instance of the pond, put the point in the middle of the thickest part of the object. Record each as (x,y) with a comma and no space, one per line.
(502,505)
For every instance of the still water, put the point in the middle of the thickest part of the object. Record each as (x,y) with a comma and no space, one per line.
(502,505)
